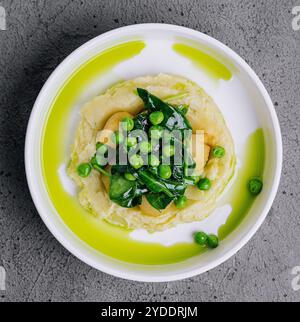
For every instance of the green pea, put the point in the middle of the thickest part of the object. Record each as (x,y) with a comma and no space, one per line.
(101,148)
(218,151)
(128,176)
(136,161)
(153,160)
(156,131)
(180,202)
(84,169)
(145,147)
(204,184)
(118,137)
(200,238)
(127,124)
(165,171)
(156,117)
(131,141)
(212,241)
(168,150)
(255,186)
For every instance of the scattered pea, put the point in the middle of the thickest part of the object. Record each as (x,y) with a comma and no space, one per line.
(218,151)
(156,117)
(204,184)
(165,171)
(255,186)
(200,238)
(127,124)
(84,169)
(212,241)
(180,202)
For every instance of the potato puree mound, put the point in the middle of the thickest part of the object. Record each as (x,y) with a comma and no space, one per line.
(203,114)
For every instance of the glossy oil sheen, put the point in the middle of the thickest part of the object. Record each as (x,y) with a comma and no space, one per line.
(203,60)
(102,236)
(241,199)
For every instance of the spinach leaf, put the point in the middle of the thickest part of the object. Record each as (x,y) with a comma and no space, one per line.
(173,119)
(157,184)
(130,202)
(176,187)
(123,192)
(152,183)
(158,200)
(151,102)
(141,121)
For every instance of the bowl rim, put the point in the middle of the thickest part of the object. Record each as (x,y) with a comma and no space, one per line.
(65,242)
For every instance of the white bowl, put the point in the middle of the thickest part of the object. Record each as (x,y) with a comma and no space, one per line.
(153,63)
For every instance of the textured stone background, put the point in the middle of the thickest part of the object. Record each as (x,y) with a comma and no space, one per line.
(39,35)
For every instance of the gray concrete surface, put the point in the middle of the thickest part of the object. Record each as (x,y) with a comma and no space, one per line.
(39,35)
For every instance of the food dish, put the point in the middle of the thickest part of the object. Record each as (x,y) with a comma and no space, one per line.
(102,193)
(122,55)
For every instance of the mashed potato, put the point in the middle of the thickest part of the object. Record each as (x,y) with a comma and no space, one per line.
(203,114)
